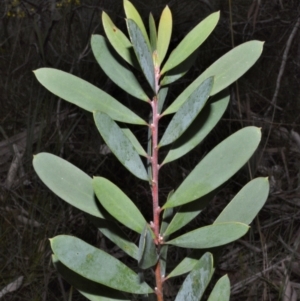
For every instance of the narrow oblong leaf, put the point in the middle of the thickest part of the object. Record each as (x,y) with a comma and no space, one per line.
(136,144)
(117,203)
(247,203)
(192,41)
(85,95)
(221,290)
(200,128)
(187,113)
(197,280)
(164,34)
(89,289)
(217,166)
(96,265)
(210,236)
(185,266)
(115,69)
(120,145)
(68,182)
(142,51)
(153,32)
(162,94)
(225,70)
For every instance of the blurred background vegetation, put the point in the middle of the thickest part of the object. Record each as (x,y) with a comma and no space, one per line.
(264,265)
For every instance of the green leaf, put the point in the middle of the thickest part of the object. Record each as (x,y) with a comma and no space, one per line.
(91,290)
(217,166)
(221,290)
(187,113)
(120,145)
(142,51)
(116,70)
(225,70)
(162,94)
(210,236)
(96,265)
(68,182)
(247,203)
(112,231)
(164,34)
(200,128)
(192,41)
(147,256)
(136,144)
(85,95)
(153,32)
(116,202)
(119,41)
(185,266)
(197,280)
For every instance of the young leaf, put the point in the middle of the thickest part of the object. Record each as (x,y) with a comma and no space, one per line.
(221,290)
(115,69)
(147,256)
(142,51)
(91,290)
(187,113)
(200,128)
(83,94)
(116,202)
(164,34)
(119,41)
(192,41)
(68,182)
(197,280)
(217,166)
(247,203)
(96,265)
(162,94)
(153,32)
(210,236)
(225,70)
(136,144)
(120,145)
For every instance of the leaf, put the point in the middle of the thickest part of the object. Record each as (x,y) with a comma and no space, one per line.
(197,280)
(185,266)
(187,113)
(147,256)
(68,182)
(116,202)
(210,236)
(200,128)
(115,69)
(113,232)
(226,70)
(91,290)
(162,94)
(217,166)
(164,34)
(120,145)
(191,41)
(136,144)
(247,203)
(142,51)
(96,265)
(153,32)
(85,95)
(221,290)
(119,41)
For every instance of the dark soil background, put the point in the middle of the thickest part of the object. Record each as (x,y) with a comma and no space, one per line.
(264,265)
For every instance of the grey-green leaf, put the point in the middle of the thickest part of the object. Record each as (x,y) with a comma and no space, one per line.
(136,144)
(221,290)
(247,203)
(120,145)
(68,182)
(187,113)
(85,95)
(186,265)
(217,167)
(210,236)
(89,289)
(162,94)
(117,203)
(197,280)
(96,265)
(152,32)
(142,51)
(225,70)
(200,128)
(115,69)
